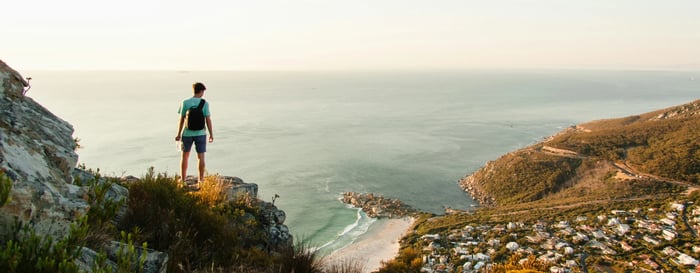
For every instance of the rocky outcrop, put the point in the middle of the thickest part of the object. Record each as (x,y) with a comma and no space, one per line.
(37,152)
(377,206)
(470,184)
(154,262)
(277,231)
(272,218)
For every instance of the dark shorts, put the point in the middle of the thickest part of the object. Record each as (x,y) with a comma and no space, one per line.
(200,143)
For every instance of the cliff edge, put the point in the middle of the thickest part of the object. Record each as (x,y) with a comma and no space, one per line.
(37,152)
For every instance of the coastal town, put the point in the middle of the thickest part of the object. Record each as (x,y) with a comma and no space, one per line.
(649,239)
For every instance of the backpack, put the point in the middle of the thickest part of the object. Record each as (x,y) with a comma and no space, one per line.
(195,117)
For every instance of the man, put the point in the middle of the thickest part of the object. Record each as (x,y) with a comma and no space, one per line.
(198,137)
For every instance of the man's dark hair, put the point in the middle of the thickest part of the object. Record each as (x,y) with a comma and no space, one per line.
(198,87)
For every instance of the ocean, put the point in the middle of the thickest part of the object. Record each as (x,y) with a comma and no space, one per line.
(309,136)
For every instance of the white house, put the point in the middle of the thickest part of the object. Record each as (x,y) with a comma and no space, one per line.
(677,207)
(686,260)
(512,246)
(568,251)
(431,237)
(614,221)
(669,234)
(668,222)
(622,229)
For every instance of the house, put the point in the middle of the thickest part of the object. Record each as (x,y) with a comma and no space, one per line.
(603,248)
(668,222)
(622,229)
(468,228)
(499,228)
(668,234)
(511,226)
(430,237)
(625,246)
(566,232)
(618,212)
(460,251)
(467,266)
(696,210)
(671,215)
(686,260)
(568,251)
(579,237)
(613,221)
(561,245)
(599,235)
(651,263)
(479,265)
(512,246)
(650,240)
(677,207)
(670,251)
(562,225)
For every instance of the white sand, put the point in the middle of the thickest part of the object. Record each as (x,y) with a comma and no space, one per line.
(380,243)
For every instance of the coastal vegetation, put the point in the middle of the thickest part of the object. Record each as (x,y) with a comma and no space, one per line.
(200,231)
(654,153)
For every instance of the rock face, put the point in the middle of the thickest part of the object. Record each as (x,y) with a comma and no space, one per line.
(273,218)
(376,206)
(470,184)
(37,152)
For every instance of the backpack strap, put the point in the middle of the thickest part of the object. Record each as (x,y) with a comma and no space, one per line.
(201,104)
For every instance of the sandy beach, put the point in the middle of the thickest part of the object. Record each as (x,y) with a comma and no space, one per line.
(380,243)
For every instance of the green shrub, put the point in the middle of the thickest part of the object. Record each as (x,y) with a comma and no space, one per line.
(25,251)
(299,259)
(195,234)
(5,188)
(408,261)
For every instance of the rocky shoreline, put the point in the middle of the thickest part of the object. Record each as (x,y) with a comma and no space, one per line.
(377,206)
(471,185)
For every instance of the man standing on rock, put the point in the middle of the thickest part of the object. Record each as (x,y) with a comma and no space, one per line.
(194,131)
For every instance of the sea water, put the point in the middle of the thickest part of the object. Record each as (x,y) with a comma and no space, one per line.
(309,136)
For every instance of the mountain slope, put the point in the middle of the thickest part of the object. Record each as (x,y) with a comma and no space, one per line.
(652,153)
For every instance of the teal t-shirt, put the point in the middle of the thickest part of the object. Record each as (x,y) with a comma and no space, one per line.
(186,105)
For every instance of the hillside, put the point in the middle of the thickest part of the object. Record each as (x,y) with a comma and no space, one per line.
(614,195)
(649,154)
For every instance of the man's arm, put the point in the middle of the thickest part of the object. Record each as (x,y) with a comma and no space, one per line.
(179,128)
(211,131)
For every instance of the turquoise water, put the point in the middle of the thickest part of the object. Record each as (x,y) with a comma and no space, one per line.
(308,136)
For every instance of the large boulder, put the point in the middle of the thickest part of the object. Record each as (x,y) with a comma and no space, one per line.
(273,218)
(37,152)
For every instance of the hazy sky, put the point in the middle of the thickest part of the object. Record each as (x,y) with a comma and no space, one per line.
(352,34)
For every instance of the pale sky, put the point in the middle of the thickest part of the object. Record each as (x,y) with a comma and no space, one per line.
(352,34)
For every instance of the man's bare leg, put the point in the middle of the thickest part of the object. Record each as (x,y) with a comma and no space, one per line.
(200,160)
(183,165)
